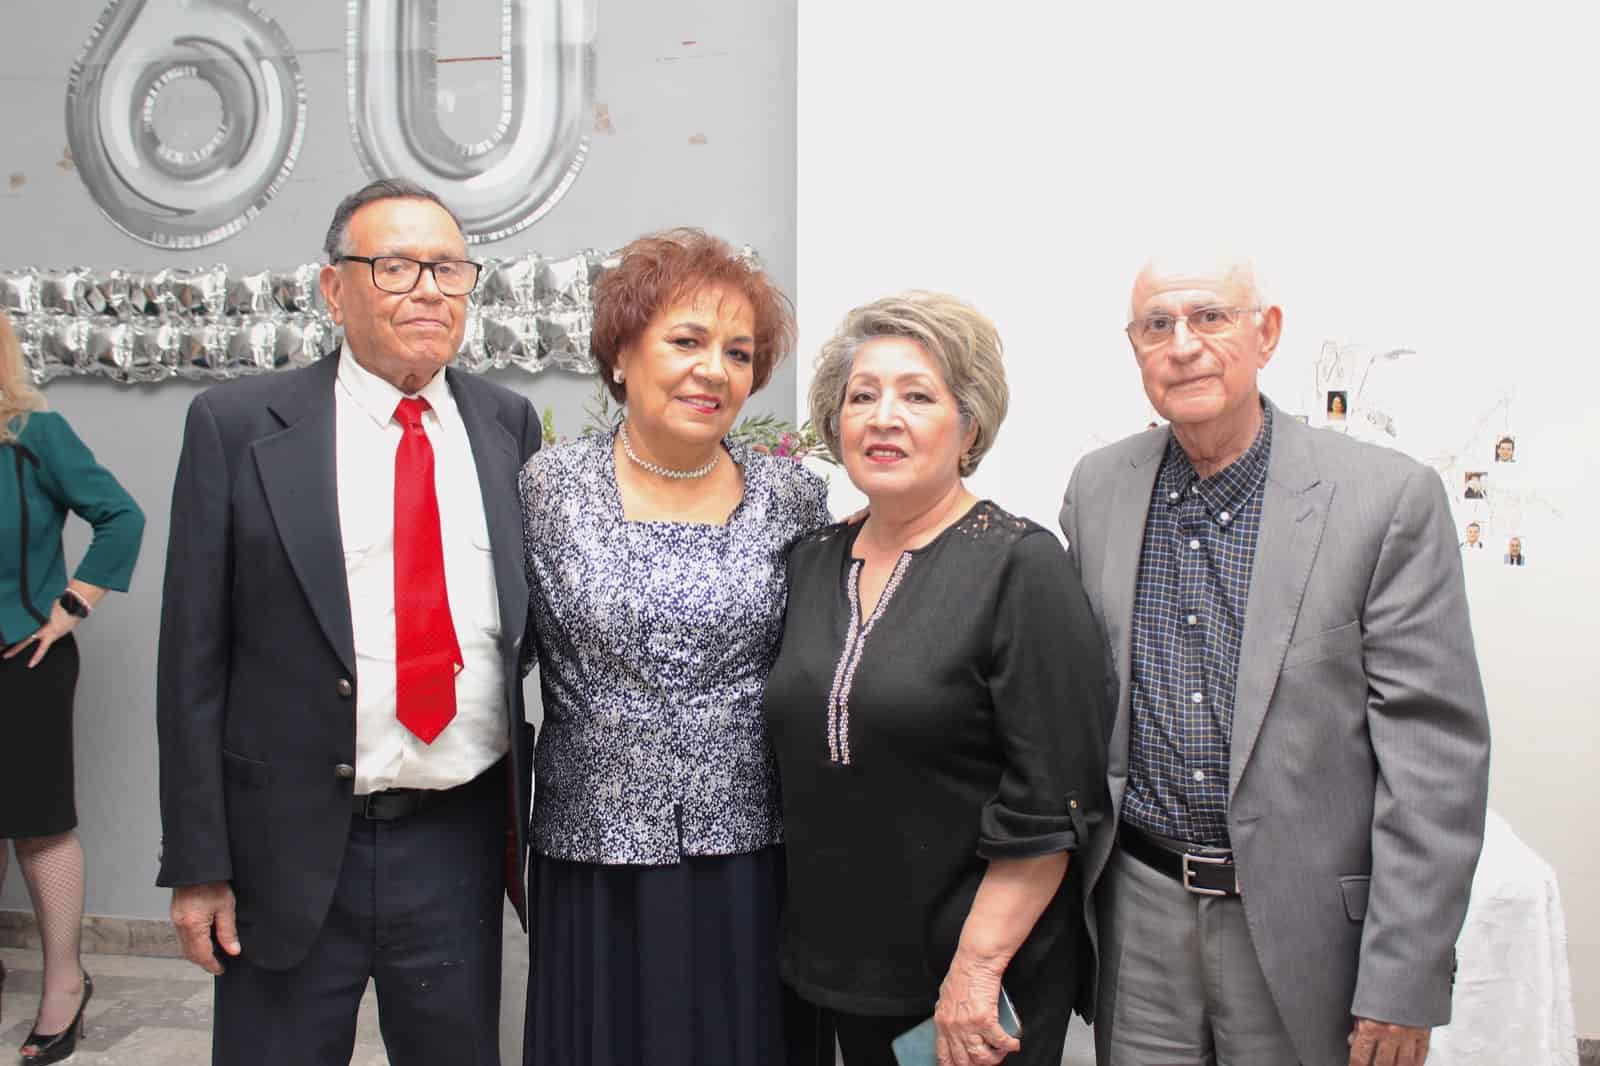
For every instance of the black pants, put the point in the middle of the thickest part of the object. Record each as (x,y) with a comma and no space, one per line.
(865,1041)
(417,910)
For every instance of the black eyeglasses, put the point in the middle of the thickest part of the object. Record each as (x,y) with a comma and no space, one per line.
(399,274)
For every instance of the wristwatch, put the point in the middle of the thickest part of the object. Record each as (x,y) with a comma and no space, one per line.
(73,604)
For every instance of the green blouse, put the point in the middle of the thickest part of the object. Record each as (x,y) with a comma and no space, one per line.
(44,473)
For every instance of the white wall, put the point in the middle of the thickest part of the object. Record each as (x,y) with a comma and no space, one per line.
(1407,175)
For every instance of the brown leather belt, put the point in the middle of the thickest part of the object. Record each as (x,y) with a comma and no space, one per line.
(1202,870)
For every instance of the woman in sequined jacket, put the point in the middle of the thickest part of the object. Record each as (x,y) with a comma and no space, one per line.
(655,558)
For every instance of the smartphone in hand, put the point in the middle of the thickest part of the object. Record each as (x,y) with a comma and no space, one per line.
(917,1045)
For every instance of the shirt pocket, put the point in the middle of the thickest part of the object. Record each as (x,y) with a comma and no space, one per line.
(1340,642)
(484,606)
(360,536)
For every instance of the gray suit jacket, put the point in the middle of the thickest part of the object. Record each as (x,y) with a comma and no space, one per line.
(1360,750)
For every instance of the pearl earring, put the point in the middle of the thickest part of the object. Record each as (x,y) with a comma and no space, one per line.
(616,375)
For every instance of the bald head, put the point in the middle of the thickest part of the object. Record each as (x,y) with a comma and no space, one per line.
(1233,275)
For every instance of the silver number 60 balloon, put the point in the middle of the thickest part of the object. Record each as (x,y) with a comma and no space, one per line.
(188,197)
(510,180)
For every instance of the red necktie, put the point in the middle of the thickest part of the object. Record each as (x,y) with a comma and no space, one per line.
(427,656)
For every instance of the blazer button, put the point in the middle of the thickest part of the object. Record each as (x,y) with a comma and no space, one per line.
(344,771)
(345,688)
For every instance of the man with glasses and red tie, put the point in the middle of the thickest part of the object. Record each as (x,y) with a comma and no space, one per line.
(345,766)
(1299,756)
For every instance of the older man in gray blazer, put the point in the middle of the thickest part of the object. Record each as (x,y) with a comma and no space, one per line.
(1300,751)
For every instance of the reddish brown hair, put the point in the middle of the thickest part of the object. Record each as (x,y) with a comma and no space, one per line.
(658,271)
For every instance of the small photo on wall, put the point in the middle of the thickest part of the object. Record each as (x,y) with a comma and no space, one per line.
(1338,404)
(1505,449)
(1514,555)
(1472,539)
(1477,487)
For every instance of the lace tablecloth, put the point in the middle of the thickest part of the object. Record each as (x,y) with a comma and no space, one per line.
(1513,996)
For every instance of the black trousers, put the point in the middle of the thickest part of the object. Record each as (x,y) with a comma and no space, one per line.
(417,910)
(865,1041)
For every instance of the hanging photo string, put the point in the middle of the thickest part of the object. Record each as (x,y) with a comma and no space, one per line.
(1505,442)
(1339,377)
(1330,386)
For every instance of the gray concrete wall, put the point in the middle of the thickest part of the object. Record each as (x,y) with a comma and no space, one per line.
(698,99)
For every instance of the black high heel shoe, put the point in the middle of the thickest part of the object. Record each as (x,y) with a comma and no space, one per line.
(59,1046)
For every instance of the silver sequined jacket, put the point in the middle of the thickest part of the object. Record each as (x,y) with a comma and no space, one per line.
(654,640)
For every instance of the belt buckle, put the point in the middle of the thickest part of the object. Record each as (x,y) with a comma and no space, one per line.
(369,806)
(1205,860)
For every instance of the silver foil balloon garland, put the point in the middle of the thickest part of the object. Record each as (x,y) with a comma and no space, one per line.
(529,312)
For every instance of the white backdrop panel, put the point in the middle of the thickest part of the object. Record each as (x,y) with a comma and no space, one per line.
(1418,177)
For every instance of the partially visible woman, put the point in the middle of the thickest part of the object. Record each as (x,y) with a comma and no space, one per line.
(655,559)
(46,471)
(937,711)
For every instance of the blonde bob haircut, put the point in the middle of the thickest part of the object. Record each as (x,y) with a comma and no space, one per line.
(960,340)
(17,394)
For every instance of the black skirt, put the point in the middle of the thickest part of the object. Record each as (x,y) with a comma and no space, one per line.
(36,794)
(665,965)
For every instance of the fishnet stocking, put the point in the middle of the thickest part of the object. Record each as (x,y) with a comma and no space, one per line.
(53,869)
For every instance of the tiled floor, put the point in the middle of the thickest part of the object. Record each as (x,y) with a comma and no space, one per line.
(157,1012)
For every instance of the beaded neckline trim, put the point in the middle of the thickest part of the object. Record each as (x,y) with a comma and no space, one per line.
(855,642)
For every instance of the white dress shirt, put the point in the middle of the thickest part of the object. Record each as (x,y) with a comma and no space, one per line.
(388,755)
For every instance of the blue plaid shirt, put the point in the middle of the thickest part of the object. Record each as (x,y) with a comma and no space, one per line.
(1188,617)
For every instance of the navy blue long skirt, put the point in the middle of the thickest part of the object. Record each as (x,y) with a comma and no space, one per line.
(662,965)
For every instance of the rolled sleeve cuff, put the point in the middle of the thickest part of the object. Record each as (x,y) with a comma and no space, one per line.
(1009,834)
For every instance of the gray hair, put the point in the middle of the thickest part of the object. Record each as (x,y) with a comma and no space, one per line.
(960,340)
(382,189)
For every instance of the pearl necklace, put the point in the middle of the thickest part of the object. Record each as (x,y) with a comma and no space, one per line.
(665,471)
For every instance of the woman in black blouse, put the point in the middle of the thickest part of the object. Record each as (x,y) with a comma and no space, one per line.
(937,711)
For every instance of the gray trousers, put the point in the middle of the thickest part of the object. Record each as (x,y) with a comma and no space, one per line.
(1180,984)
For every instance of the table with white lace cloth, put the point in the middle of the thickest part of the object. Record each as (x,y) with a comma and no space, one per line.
(1513,994)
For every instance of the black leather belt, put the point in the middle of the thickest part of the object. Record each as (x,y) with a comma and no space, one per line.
(1201,870)
(394,803)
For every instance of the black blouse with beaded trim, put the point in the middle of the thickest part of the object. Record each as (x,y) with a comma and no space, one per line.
(961,721)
